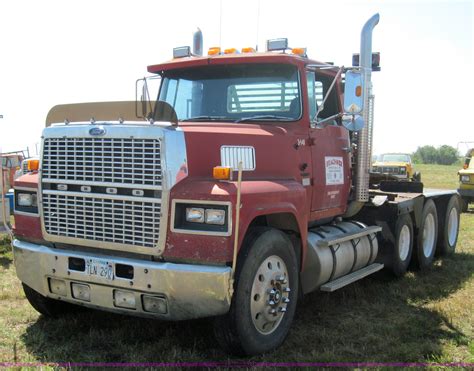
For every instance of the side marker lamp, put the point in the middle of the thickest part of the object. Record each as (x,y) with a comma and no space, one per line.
(358,91)
(222,173)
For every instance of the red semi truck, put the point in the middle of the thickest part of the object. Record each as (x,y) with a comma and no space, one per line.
(246,186)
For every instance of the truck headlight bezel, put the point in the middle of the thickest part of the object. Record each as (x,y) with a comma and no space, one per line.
(201,217)
(26,201)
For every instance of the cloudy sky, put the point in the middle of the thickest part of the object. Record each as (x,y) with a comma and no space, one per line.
(69,51)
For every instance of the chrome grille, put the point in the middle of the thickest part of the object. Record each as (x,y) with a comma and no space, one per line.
(107,160)
(94,218)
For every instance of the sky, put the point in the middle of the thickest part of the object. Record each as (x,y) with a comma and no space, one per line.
(70,51)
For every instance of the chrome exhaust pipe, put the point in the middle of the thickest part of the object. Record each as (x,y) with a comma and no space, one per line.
(364,144)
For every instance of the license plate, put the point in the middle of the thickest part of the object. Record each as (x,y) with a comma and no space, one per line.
(100,268)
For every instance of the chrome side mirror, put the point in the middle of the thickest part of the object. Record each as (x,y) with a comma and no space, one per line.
(353,93)
(353,101)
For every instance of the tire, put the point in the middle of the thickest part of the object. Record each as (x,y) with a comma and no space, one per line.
(265,296)
(46,306)
(427,236)
(464,205)
(449,227)
(403,247)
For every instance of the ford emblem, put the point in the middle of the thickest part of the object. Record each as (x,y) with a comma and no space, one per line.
(98,130)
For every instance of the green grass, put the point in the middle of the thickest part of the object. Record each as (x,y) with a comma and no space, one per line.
(439,176)
(423,317)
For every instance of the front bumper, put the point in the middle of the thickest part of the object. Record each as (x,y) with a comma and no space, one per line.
(466,192)
(190,291)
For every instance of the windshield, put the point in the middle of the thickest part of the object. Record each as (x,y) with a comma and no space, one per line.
(240,92)
(395,158)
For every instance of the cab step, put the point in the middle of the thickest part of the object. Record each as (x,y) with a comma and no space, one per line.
(351,277)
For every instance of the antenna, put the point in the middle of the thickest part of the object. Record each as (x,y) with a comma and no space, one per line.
(258,24)
(220,24)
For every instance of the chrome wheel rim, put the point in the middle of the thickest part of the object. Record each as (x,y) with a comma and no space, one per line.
(270,295)
(429,231)
(453,222)
(404,243)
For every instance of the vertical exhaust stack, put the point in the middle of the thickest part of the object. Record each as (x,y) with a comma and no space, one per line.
(197,42)
(364,145)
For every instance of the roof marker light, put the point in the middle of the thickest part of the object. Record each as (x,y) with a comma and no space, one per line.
(215,50)
(231,51)
(299,51)
(248,50)
(181,52)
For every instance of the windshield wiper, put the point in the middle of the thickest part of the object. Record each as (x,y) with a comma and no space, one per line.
(265,118)
(207,118)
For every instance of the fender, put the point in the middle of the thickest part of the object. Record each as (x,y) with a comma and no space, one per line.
(258,198)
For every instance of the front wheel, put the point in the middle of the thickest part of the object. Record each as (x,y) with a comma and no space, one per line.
(47,306)
(264,302)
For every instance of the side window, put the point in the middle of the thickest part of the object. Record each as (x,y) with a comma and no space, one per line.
(315,93)
(318,86)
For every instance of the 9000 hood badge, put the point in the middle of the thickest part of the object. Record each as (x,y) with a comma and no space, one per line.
(98,130)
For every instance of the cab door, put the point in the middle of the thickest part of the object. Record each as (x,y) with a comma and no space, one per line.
(330,155)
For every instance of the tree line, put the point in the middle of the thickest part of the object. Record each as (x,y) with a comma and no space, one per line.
(444,155)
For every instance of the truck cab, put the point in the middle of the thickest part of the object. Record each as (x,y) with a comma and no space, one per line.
(230,195)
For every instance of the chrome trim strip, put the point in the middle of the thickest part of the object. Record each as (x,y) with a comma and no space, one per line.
(191,291)
(102,184)
(102,196)
(202,202)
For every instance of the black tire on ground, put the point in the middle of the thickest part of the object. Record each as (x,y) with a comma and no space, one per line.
(265,296)
(47,306)
(427,236)
(464,205)
(403,247)
(449,227)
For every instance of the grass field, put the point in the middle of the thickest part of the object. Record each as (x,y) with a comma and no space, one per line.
(423,317)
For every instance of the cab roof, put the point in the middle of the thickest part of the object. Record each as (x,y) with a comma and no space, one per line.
(267,57)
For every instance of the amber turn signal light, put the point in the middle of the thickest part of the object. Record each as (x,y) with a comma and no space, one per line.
(33,165)
(222,173)
(215,50)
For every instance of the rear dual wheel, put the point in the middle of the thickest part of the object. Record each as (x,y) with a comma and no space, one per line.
(403,247)
(449,227)
(427,236)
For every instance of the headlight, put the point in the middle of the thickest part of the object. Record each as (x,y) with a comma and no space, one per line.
(26,202)
(194,215)
(27,199)
(465,178)
(214,216)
